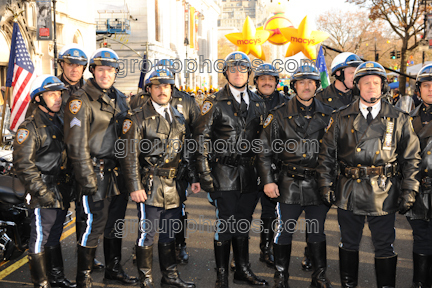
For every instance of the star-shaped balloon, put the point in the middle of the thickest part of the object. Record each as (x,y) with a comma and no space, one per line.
(303,39)
(250,40)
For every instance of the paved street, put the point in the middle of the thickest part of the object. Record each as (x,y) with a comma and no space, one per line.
(201,265)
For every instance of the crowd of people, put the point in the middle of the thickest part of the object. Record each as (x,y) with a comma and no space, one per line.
(355,151)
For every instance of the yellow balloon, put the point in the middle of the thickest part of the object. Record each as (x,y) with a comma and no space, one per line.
(273,24)
(250,39)
(303,39)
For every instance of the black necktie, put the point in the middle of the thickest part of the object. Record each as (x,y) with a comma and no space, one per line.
(167,116)
(243,106)
(369,117)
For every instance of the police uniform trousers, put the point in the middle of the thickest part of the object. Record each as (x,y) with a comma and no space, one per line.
(233,213)
(381,227)
(268,207)
(151,218)
(99,218)
(287,222)
(46,228)
(422,233)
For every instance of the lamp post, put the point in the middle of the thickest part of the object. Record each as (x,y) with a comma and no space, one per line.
(186,43)
(55,38)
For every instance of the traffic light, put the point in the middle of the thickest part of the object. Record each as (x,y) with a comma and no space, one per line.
(393,54)
(398,54)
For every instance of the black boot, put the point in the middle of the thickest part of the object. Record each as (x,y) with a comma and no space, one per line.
(97,265)
(306,262)
(38,270)
(385,269)
(318,255)
(222,253)
(282,259)
(55,270)
(243,273)
(168,266)
(348,267)
(266,254)
(144,260)
(84,266)
(421,271)
(232,264)
(114,270)
(181,254)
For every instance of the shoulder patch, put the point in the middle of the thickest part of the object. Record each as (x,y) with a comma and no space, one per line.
(329,125)
(268,120)
(127,124)
(22,135)
(75,106)
(206,107)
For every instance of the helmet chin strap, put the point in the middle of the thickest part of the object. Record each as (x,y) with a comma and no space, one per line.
(238,87)
(372,100)
(341,78)
(43,104)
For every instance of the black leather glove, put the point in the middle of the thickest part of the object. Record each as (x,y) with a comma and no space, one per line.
(328,196)
(206,181)
(46,199)
(406,201)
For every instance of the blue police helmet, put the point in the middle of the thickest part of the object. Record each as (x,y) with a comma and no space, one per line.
(237,58)
(104,57)
(266,69)
(160,76)
(344,60)
(305,72)
(73,54)
(45,83)
(424,75)
(370,68)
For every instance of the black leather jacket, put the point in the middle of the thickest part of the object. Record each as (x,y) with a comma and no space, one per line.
(273,100)
(39,158)
(92,126)
(219,121)
(285,123)
(422,206)
(349,139)
(148,125)
(335,98)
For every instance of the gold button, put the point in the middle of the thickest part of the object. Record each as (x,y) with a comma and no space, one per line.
(229,102)
(429,152)
(153,117)
(377,152)
(257,104)
(358,149)
(304,141)
(330,99)
(116,121)
(142,97)
(352,130)
(54,137)
(151,176)
(411,118)
(294,168)
(358,180)
(62,167)
(426,170)
(258,132)
(235,114)
(373,182)
(180,99)
(358,165)
(388,118)
(304,155)
(109,170)
(292,176)
(179,160)
(289,117)
(320,140)
(166,160)
(348,116)
(373,166)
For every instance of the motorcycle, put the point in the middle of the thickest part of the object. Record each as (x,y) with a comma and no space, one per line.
(14,214)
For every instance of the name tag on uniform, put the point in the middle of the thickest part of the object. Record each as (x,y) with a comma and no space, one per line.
(389,135)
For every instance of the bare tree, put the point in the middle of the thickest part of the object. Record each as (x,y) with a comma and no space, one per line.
(404,18)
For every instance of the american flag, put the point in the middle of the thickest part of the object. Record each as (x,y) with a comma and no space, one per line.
(20,76)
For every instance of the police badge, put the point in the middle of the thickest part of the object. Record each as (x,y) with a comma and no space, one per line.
(127,124)
(268,120)
(75,106)
(76,53)
(22,135)
(206,107)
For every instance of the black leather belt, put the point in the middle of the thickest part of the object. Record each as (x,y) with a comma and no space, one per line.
(388,170)
(163,172)
(298,172)
(235,161)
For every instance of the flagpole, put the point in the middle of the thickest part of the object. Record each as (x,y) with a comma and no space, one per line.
(5,101)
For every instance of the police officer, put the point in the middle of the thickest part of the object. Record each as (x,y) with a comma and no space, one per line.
(39,161)
(266,80)
(420,215)
(93,117)
(339,93)
(186,105)
(233,116)
(301,120)
(373,143)
(158,200)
